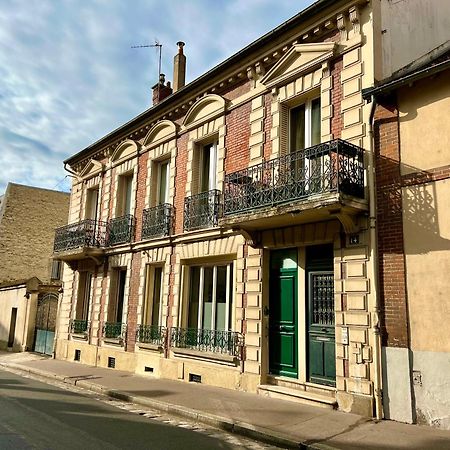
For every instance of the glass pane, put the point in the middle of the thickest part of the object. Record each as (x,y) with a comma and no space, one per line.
(156,296)
(297,129)
(163,183)
(204,186)
(221,297)
(207,297)
(128,195)
(315,121)
(120,294)
(193,297)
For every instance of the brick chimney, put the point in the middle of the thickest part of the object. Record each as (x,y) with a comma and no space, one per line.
(179,68)
(161,90)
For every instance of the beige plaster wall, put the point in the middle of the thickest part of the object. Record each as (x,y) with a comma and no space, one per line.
(424,110)
(13,298)
(410,29)
(427,248)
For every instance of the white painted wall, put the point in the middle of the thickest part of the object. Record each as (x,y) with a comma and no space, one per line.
(397,398)
(410,29)
(432,395)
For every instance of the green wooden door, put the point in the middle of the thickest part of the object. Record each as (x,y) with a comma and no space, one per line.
(320,329)
(283,351)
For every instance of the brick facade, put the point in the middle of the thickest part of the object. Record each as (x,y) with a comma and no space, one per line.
(390,227)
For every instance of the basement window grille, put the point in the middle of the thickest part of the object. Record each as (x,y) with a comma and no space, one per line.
(77,356)
(148,369)
(195,378)
(111,362)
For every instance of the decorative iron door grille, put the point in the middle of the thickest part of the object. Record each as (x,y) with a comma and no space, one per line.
(121,230)
(157,221)
(322,292)
(202,210)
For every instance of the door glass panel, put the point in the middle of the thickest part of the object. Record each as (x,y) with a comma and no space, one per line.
(193,297)
(207,297)
(221,297)
(322,288)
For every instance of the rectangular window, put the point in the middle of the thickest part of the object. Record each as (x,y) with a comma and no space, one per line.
(206,165)
(91,209)
(117,297)
(163,182)
(56,270)
(210,297)
(153,297)
(304,125)
(84,296)
(124,195)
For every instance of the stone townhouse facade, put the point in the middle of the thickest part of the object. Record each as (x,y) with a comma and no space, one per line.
(412,141)
(227,234)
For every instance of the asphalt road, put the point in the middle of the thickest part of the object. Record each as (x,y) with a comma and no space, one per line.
(36,415)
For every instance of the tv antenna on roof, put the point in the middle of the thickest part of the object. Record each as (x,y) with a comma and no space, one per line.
(158,46)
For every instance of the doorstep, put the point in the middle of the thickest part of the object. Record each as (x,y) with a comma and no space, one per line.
(299,396)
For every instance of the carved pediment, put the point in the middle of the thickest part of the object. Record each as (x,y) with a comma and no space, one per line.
(93,167)
(207,108)
(124,151)
(301,58)
(160,132)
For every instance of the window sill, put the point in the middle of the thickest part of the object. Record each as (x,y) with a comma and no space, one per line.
(216,358)
(115,342)
(154,347)
(79,336)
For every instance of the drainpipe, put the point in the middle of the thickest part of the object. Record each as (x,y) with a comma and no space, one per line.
(377,380)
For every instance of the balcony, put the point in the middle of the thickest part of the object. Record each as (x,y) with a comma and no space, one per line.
(79,327)
(211,341)
(120,230)
(157,221)
(151,334)
(202,210)
(114,332)
(302,186)
(80,240)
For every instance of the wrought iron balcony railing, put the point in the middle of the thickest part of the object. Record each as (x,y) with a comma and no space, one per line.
(121,230)
(225,342)
(151,334)
(157,221)
(79,326)
(87,233)
(202,210)
(334,166)
(114,330)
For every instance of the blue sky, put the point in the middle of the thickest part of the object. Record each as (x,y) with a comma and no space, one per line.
(68,75)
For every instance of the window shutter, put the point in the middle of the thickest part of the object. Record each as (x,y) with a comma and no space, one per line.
(284,130)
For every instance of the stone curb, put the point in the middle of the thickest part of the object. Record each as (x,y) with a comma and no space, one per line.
(242,428)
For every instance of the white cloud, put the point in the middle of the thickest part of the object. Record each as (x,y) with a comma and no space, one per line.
(68,74)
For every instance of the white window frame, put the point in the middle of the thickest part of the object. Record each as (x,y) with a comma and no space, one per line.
(148,304)
(229,324)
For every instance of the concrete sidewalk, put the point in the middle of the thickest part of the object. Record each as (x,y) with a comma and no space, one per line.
(283,423)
